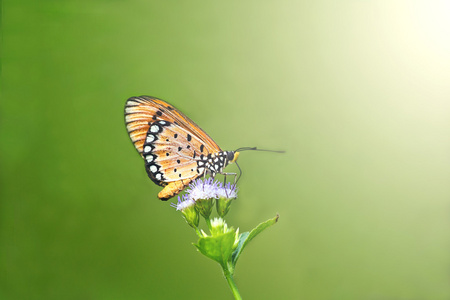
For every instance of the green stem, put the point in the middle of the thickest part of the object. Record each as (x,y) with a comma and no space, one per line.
(231,283)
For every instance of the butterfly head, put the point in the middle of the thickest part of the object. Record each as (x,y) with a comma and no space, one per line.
(232,156)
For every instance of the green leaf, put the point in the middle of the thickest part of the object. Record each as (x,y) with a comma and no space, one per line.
(218,248)
(246,237)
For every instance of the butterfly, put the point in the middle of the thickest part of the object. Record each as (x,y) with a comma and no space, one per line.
(175,149)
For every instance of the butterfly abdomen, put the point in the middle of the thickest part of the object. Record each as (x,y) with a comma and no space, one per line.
(173,189)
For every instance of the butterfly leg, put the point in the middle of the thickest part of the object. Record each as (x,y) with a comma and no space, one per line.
(225,180)
(225,177)
(204,177)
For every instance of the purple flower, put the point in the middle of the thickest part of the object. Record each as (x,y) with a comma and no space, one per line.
(200,189)
(211,189)
(187,208)
(183,203)
(228,191)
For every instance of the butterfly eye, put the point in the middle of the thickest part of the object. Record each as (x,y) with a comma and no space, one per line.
(230,156)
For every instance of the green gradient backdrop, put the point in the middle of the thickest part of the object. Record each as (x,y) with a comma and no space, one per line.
(356,92)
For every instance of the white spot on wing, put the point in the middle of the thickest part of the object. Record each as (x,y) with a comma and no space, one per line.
(158,176)
(150,138)
(153,168)
(154,128)
(147,149)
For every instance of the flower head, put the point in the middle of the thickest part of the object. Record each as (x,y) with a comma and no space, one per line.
(203,193)
(200,189)
(220,227)
(226,194)
(211,189)
(184,202)
(188,209)
(228,191)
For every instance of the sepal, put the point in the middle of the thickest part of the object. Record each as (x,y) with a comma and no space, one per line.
(218,248)
(204,207)
(223,206)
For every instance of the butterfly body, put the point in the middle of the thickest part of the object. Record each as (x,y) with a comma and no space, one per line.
(174,148)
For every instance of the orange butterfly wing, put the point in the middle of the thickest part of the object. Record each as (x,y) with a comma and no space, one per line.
(168,141)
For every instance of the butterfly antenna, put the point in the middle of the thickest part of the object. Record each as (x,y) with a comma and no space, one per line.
(256,149)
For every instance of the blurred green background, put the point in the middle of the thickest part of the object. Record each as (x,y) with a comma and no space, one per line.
(356,92)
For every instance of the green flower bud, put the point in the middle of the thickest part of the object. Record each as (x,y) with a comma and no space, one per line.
(190,214)
(223,206)
(204,207)
(218,226)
